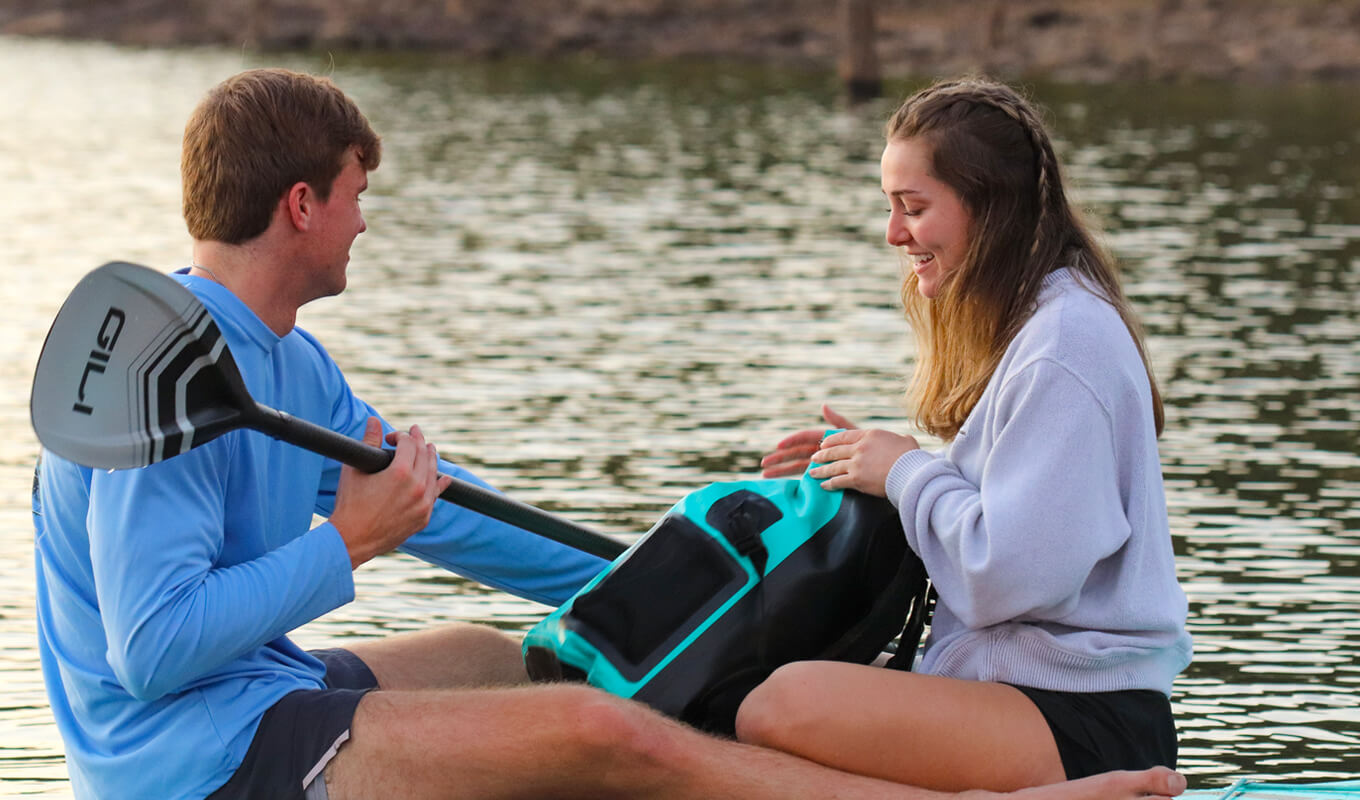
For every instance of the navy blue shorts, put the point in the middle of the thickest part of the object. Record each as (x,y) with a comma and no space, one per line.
(299,734)
(1102,731)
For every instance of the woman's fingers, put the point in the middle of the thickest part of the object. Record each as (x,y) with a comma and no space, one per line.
(859,459)
(794,452)
(810,437)
(784,469)
(786,453)
(790,457)
(830,454)
(841,439)
(830,470)
(836,476)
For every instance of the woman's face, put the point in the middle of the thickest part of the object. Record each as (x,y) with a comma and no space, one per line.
(927,219)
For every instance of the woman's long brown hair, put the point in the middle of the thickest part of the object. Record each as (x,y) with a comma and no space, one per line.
(990,146)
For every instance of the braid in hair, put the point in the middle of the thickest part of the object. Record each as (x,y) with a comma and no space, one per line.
(1045,160)
(977,92)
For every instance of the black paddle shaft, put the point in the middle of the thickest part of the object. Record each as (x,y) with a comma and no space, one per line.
(368,458)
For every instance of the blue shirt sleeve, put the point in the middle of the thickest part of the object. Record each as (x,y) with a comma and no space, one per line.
(170,613)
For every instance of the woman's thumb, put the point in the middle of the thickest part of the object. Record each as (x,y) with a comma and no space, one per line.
(836,420)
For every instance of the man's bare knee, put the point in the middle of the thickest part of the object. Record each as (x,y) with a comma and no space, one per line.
(596,721)
(559,740)
(621,736)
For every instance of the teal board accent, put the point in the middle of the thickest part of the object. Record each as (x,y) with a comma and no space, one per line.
(1253,790)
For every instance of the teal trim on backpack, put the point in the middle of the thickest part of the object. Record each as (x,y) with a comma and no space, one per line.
(805,507)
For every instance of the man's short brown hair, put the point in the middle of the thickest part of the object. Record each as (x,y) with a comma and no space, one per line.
(254,136)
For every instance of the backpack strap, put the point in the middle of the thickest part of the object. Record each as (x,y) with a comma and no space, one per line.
(922,610)
(904,596)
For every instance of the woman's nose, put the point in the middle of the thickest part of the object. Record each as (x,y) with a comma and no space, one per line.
(897,234)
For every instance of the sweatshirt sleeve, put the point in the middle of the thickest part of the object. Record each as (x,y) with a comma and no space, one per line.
(1046,511)
(171,615)
(488,551)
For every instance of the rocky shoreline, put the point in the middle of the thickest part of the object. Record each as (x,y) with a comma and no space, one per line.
(1074,40)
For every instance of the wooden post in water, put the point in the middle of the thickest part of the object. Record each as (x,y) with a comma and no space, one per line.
(859,55)
(257,23)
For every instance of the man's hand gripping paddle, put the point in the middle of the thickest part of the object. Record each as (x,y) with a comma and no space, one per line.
(135,371)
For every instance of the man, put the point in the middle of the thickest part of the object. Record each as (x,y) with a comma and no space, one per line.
(165,594)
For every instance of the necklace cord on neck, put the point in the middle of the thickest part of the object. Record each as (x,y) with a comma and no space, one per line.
(211,274)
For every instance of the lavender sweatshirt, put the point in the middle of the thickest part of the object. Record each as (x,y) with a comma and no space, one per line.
(1044,524)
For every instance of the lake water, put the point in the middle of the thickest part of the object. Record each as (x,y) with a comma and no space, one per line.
(604,286)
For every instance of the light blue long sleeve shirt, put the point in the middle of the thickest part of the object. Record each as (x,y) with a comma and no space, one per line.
(1044,525)
(165,594)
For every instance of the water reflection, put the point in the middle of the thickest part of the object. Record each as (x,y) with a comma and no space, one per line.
(604,287)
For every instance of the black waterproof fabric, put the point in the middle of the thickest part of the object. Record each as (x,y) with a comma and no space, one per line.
(684,575)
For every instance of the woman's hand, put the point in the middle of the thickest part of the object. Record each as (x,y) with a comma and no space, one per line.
(790,456)
(860,459)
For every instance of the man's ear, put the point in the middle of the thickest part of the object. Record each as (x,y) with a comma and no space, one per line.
(298,205)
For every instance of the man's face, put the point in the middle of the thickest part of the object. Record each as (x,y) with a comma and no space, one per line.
(338,221)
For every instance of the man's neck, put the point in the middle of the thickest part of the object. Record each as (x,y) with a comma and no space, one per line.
(256,280)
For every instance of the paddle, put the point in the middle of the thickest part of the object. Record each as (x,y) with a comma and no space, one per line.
(135,371)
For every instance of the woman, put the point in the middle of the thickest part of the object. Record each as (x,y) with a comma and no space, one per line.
(1060,625)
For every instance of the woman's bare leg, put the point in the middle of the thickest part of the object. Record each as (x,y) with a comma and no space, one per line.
(921,730)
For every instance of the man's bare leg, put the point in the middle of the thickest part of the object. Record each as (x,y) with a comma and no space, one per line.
(560,742)
(568,741)
(460,655)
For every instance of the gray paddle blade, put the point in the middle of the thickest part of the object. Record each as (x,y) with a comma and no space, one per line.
(134,371)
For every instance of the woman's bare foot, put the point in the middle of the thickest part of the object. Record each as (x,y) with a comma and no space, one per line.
(1158,783)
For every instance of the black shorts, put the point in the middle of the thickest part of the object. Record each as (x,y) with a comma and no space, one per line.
(299,734)
(1102,731)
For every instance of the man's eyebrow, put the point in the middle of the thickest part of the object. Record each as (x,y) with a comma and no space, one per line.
(896,192)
